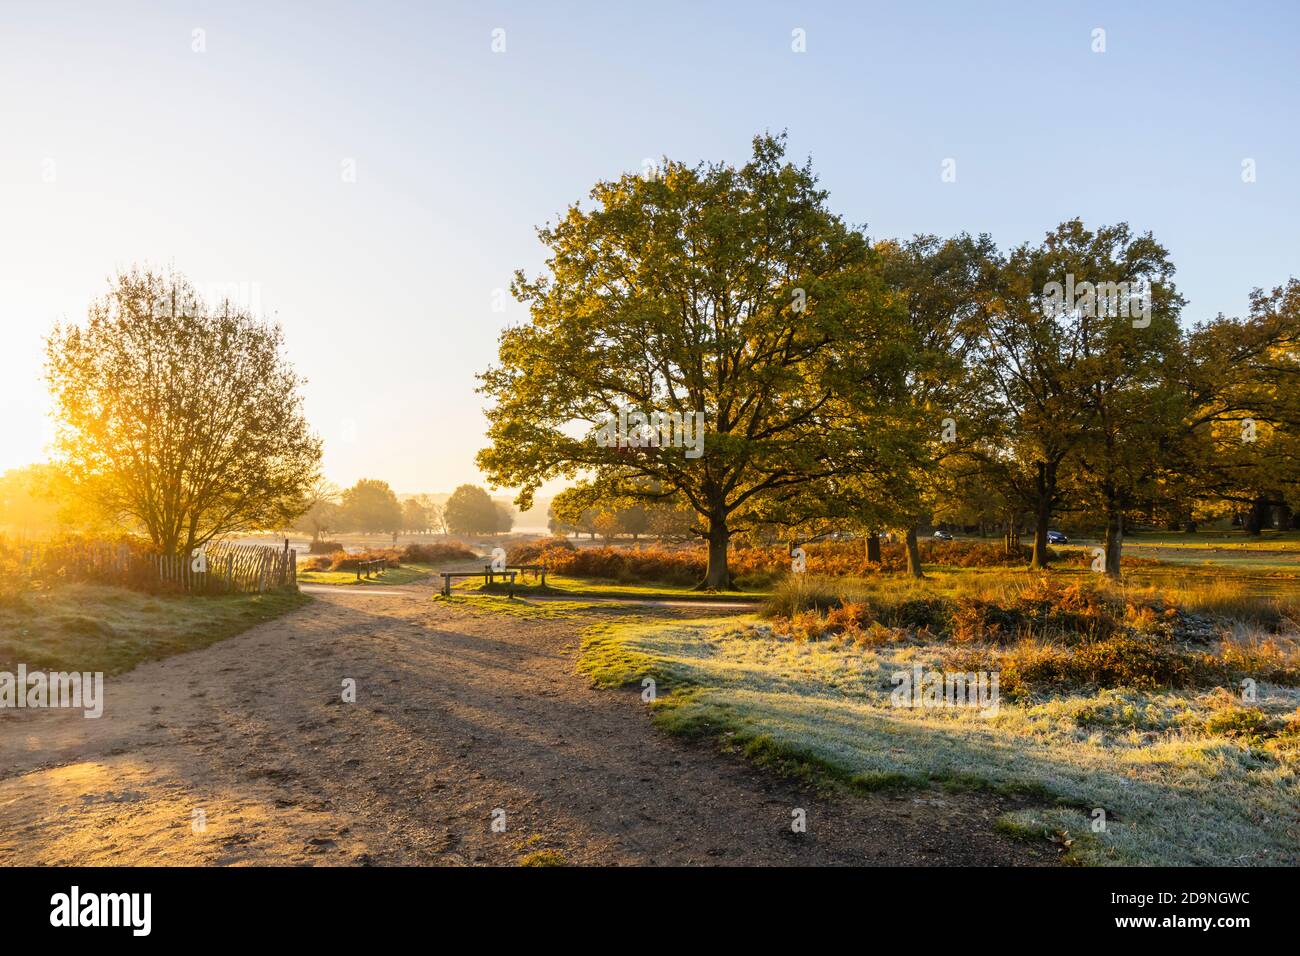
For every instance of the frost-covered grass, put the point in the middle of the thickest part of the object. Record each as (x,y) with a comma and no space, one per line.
(1184,777)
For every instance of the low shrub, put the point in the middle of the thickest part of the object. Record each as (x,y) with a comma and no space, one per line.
(627,565)
(979,621)
(1249,722)
(760,565)
(1077,611)
(1131,660)
(1120,661)
(1261,660)
(808,626)
(342,561)
(531,551)
(797,594)
(439,551)
(321,546)
(921,614)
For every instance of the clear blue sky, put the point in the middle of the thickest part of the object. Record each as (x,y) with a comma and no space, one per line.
(227,163)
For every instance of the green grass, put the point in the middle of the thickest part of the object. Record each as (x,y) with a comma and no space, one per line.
(87,627)
(1267,540)
(1179,775)
(405,574)
(492,603)
(612,654)
(1234,551)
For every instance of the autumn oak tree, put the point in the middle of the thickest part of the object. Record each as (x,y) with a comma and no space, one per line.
(913,413)
(1243,385)
(710,289)
(1047,362)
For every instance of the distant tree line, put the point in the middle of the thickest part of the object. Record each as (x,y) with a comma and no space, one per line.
(576,511)
(372,507)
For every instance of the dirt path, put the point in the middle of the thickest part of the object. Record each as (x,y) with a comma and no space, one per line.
(457,715)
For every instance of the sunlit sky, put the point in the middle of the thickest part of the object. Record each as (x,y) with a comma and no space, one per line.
(119,143)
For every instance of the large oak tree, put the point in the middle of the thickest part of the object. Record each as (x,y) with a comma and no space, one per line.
(707,288)
(1050,365)
(1243,384)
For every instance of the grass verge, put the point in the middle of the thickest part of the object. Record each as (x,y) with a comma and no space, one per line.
(85,627)
(405,574)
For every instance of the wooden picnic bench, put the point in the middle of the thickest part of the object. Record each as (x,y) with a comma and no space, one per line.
(368,566)
(536,570)
(487,575)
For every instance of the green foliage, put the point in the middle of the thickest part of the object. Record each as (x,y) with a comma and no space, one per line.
(711,289)
(1071,386)
(1244,385)
(416,515)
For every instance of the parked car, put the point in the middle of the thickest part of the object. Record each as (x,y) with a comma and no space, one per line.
(1055,537)
(943,535)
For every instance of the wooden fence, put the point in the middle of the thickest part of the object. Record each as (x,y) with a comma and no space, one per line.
(220,569)
(231,569)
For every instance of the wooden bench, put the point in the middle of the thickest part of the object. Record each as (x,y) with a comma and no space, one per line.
(536,569)
(486,575)
(368,566)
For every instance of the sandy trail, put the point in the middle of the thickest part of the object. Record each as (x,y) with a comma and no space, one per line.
(457,715)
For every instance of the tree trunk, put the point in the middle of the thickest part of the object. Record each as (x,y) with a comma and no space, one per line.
(1257,516)
(1114,541)
(873,547)
(717,576)
(913,554)
(1285,517)
(1042,518)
